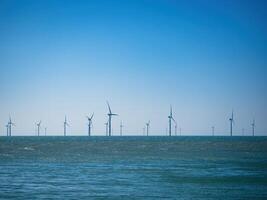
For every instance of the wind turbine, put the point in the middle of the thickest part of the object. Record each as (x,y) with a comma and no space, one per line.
(10,124)
(7,129)
(253,127)
(106,124)
(175,128)
(65,125)
(212,128)
(89,123)
(110,114)
(38,127)
(231,123)
(170,121)
(45,131)
(121,128)
(147,127)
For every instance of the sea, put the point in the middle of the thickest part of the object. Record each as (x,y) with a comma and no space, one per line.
(129,167)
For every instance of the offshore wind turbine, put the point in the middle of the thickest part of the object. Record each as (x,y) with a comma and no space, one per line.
(147,127)
(231,123)
(90,123)
(121,128)
(170,121)
(110,114)
(106,124)
(7,129)
(253,127)
(38,127)
(212,129)
(10,124)
(65,126)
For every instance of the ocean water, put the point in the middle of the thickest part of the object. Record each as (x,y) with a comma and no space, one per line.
(133,168)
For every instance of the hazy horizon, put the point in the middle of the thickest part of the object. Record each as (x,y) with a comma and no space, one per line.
(68,58)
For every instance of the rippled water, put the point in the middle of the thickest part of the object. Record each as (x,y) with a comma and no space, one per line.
(133,168)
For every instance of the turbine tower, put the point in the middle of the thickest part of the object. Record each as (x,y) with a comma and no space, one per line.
(231,123)
(253,127)
(90,123)
(110,114)
(10,124)
(147,127)
(121,128)
(106,124)
(7,129)
(175,129)
(38,127)
(170,121)
(65,125)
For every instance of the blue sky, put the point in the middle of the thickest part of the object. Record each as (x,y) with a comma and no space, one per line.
(62,58)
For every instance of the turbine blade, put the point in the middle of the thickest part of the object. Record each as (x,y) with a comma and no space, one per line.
(92,116)
(109,108)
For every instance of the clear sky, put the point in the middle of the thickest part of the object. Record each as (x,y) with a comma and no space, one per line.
(62,57)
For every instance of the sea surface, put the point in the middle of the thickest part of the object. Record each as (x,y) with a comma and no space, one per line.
(133,168)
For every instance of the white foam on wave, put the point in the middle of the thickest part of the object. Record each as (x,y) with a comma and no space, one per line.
(28,148)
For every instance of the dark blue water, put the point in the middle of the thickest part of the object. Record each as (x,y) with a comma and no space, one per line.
(133,168)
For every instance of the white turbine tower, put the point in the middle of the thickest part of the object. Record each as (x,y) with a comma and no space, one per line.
(7,129)
(147,127)
(65,126)
(90,124)
(253,127)
(170,121)
(106,124)
(231,123)
(110,114)
(38,127)
(10,124)
(121,128)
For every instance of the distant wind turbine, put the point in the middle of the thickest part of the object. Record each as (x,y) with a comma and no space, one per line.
(38,127)
(90,123)
(45,131)
(231,123)
(147,127)
(253,127)
(175,129)
(121,128)
(10,124)
(7,129)
(212,128)
(106,124)
(65,126)
(170,121)
(110,114)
